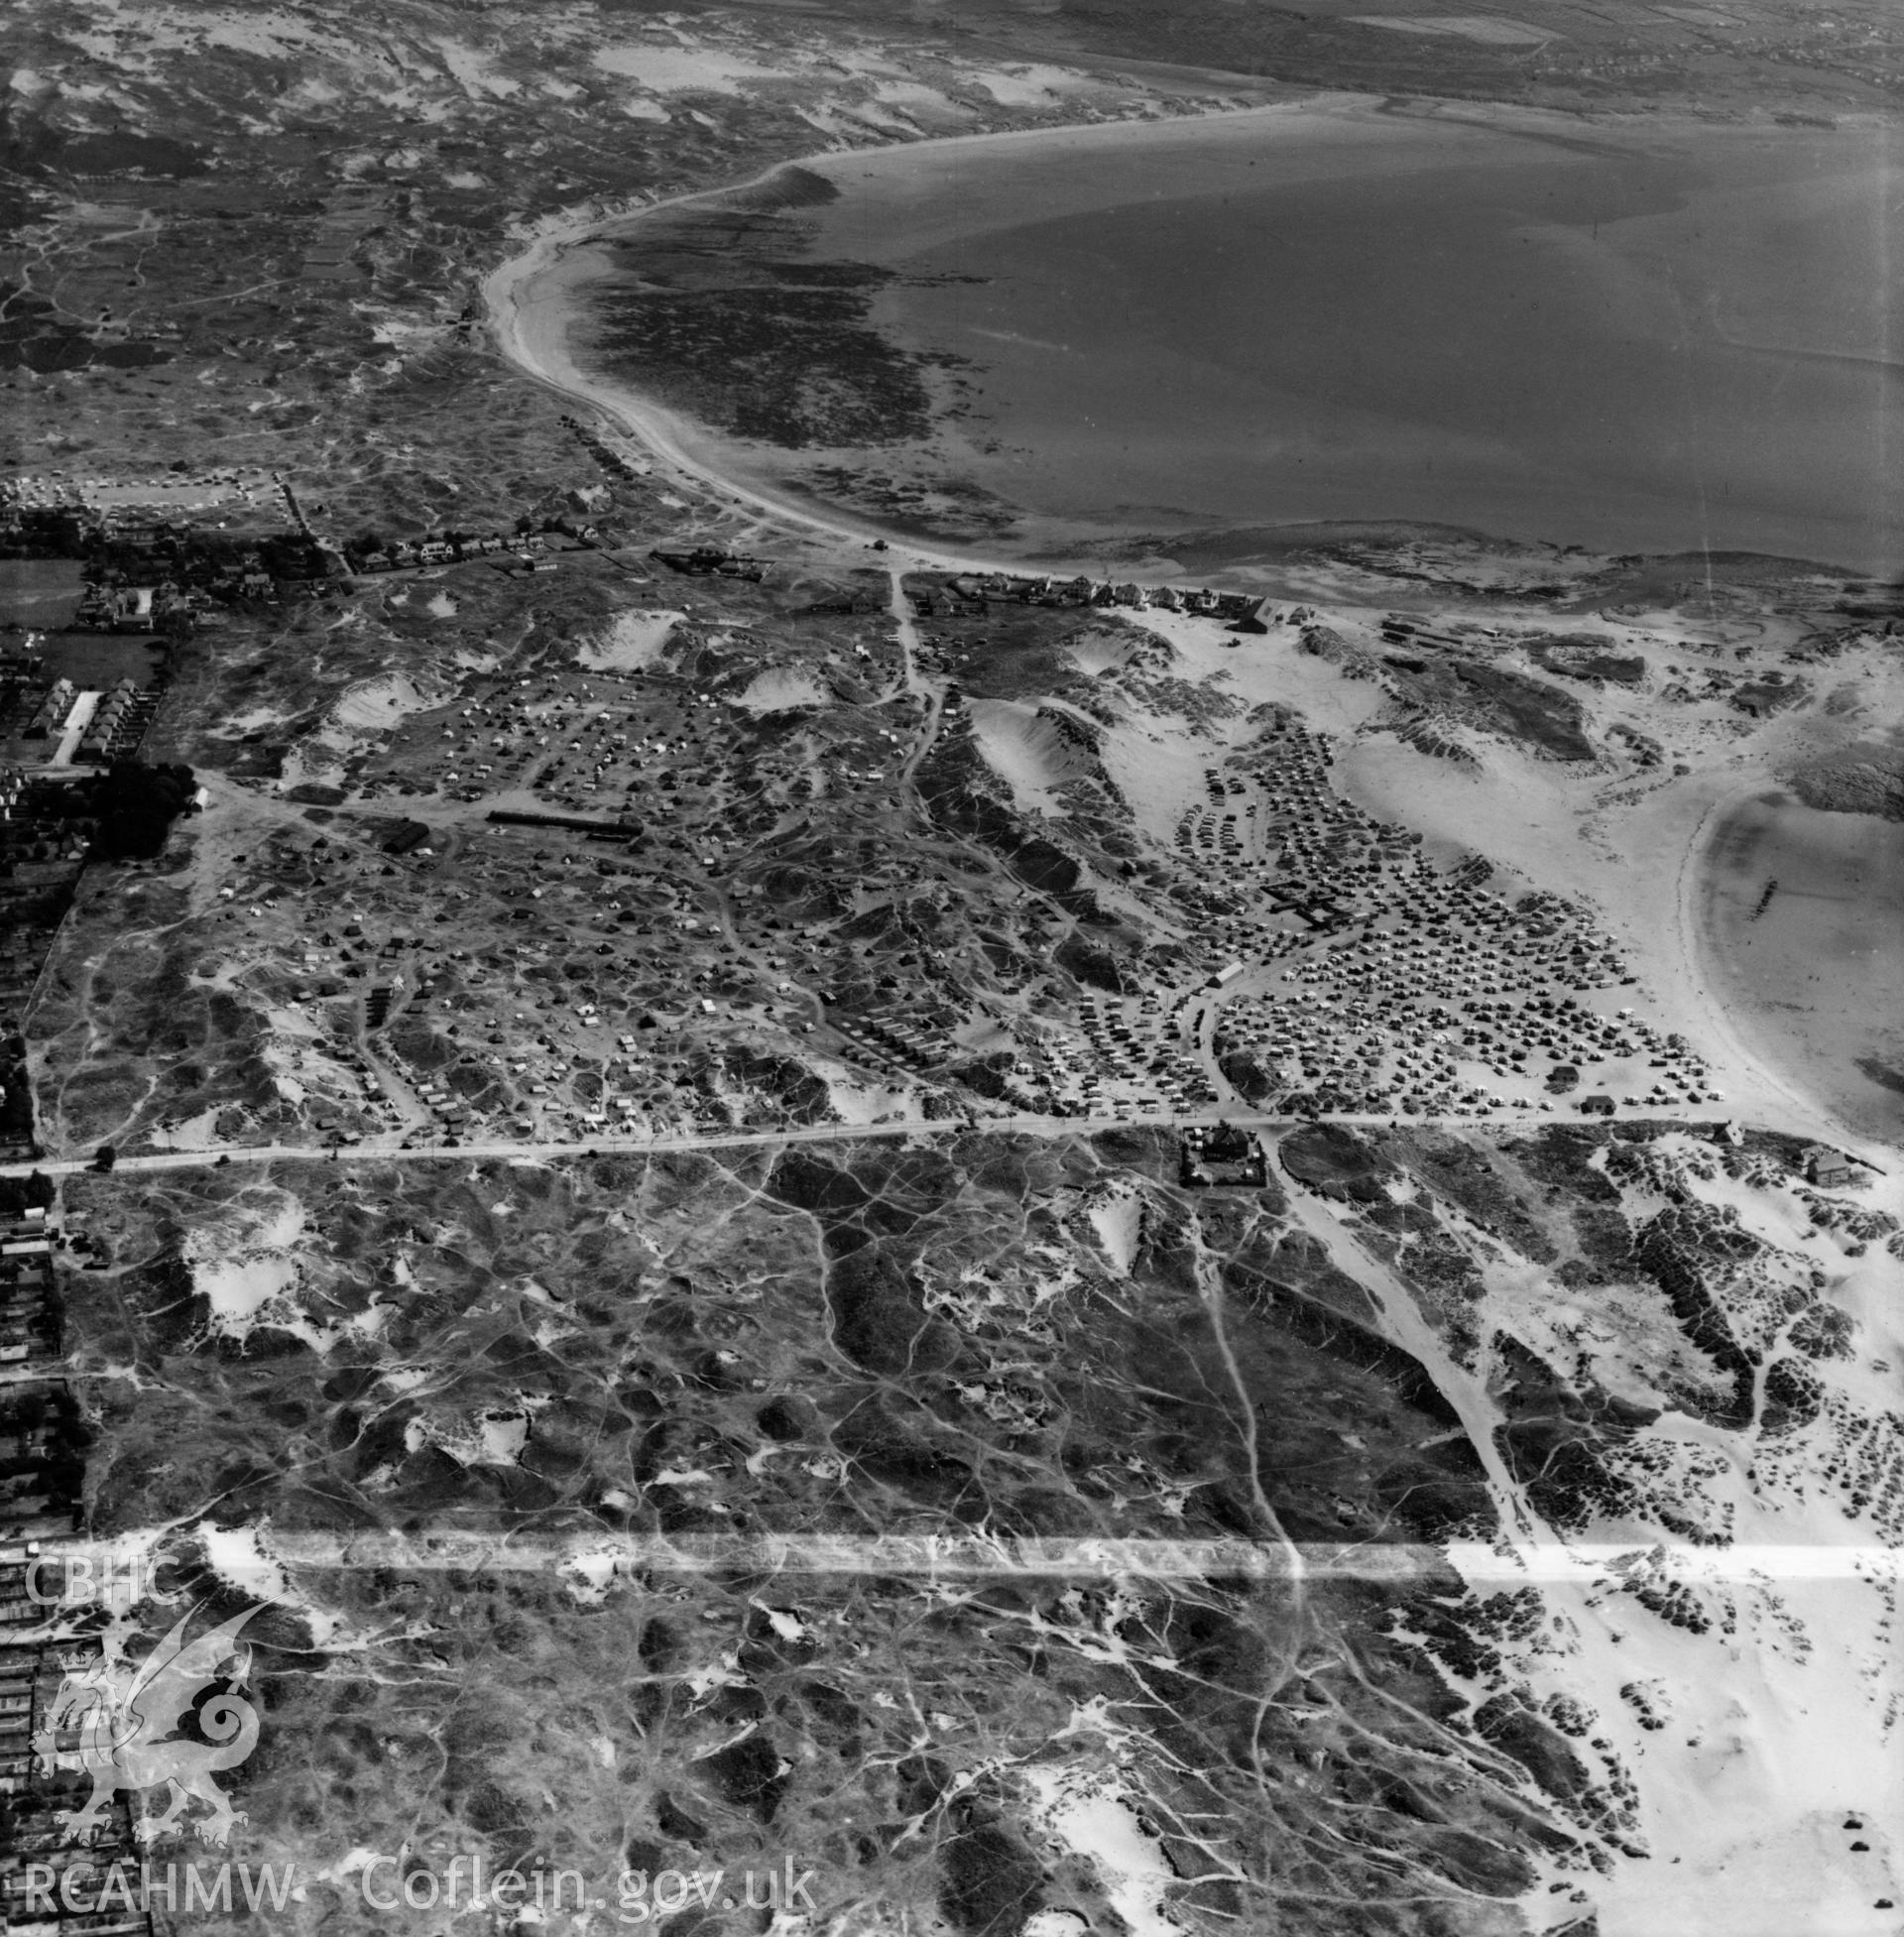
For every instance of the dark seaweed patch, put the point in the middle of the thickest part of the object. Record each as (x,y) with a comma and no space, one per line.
(721,320)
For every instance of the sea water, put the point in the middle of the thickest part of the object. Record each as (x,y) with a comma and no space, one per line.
(1623,341)
(1633,334)
(1803,935)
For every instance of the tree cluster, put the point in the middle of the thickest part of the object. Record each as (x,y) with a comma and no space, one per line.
(136,806)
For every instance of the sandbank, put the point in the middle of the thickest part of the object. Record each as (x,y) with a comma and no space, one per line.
(534,302)
(1207,436)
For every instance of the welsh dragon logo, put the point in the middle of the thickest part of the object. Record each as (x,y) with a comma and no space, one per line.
(124,1718)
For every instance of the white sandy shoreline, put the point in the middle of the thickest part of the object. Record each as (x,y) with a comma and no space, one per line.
(1771,1098)
(533,333)
(1711,939)
(899,199)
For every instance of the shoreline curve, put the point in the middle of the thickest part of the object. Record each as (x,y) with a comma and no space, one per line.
(544,360)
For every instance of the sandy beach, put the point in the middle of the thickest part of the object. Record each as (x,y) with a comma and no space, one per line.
(532,314)
(531,300)
(536,307)
(1670,890)
(1648,861)
(1162,331)
(1800,924)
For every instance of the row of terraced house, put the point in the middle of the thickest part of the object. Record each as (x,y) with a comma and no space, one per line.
(41,1472)
(951,594)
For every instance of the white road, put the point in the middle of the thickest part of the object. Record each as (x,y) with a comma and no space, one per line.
(531,1151)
